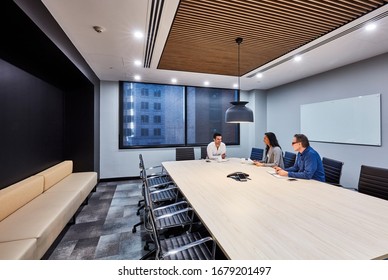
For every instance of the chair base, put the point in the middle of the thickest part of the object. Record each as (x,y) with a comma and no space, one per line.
(136,225)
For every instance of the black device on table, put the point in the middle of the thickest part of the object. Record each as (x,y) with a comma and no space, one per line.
(239,176)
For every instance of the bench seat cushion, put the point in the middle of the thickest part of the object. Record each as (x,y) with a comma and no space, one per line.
(18,250)
(80,182)
(43,218)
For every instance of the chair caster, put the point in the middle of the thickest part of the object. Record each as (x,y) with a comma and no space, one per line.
(133,229)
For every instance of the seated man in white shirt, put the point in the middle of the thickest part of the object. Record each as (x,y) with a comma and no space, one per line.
(216,149)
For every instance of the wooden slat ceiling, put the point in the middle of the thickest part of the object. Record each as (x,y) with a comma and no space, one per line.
(203,33)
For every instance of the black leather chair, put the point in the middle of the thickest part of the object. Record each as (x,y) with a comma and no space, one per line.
(333,170)
(373,181)
(184,153)
(203,152)
(161,187)
(257,154)
(186,246)
(289,159)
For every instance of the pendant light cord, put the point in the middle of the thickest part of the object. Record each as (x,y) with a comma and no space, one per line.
(238,41)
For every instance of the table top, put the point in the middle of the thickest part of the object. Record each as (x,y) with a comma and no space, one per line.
(273,218)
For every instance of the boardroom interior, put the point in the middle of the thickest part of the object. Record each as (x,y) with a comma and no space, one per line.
(54,107)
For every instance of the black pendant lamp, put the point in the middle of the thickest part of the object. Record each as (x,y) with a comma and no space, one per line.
(238,113)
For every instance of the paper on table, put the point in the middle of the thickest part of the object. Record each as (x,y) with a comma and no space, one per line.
(273,173)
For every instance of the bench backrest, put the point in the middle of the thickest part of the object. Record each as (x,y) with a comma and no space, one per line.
(56,173)
(19,194)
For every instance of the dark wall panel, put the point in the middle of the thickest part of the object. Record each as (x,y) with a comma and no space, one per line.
(31,124)
(79,115)
(49,108)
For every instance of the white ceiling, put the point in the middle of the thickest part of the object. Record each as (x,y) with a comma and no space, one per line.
(112,53)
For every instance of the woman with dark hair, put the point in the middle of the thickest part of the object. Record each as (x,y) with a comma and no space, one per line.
(273,152)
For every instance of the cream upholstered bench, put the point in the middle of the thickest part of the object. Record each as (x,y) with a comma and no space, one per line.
(34,211)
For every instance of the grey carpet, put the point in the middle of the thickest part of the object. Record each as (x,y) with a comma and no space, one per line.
(103,227)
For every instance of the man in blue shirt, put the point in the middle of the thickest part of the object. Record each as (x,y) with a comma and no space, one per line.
(308,164)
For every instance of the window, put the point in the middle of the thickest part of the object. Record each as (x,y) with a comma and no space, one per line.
(181,116)
(128,105)
(206,115)
(144,105)
(128,119)
(144,132)
(144,119)
(144,92)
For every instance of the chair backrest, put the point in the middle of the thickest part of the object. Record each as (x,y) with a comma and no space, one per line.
(141,162)
(149,221)
(185,153)
(257,154)
(203,152)
(373,181)
(333,170)
(141,167)
(289,159)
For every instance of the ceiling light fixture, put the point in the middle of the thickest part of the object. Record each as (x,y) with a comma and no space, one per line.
(238,112)
(138,34)
(370,26)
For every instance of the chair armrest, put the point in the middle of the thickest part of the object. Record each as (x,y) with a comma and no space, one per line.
(159,173)
(163,190)
(171,205)
(173,213)
(188,246)
(166,184)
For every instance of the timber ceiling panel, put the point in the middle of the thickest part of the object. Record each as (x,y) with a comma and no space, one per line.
(203,33)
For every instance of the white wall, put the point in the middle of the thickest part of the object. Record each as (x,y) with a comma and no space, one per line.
(116,163)
(362,78)
(276,110)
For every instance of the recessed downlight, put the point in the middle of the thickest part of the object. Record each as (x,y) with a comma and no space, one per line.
(297,58)
(370,26)
(138,34)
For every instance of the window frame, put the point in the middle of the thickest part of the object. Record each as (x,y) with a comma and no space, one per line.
(121,119)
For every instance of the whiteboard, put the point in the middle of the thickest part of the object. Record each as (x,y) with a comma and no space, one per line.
(355,120)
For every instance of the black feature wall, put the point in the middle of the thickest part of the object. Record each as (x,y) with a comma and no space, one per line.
(49,109)
(31,122)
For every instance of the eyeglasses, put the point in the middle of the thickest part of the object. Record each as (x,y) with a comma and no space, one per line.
(293,143)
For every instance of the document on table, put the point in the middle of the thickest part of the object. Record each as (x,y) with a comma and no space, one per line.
(273,173)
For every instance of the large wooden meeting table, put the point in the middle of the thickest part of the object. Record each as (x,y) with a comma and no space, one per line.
(273,218)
